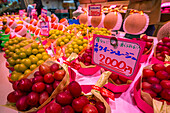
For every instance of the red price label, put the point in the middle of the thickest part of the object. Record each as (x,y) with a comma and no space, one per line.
(121,56)
(44,28)
(94,10)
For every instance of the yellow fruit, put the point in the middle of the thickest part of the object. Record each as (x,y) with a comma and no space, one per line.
(33,66)
(40,62)
(34,45)
(45,57)
(76,50)
(34,51)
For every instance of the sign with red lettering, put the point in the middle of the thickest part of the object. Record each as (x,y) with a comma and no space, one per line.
(121,56)
(44,28)
(94,10)
(43,13)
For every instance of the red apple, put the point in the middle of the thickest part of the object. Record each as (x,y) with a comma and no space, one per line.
(44,69)
(158,67)
(165,84)
(53,108)
(114,76)
(38,79)
(67,109)
(157,88)
(161,58)
(14,96)
(165,48)
(72,86)
(159,47)
(55,84)
(25,85)
(38,87)
(123,79)
(144,37)
(166,94)
(118,82)
(22,104)
(148,73)
(153,80)
(48,78)
(166,39)
(153,94)
(54,67)
(89,109)
(37,73)
(163,53)
(43,97)
(148,45)
(162,75)
(146,85)
(168,69)
(100,107)
(49,88)
(59,75)
(32,99)
(14,85)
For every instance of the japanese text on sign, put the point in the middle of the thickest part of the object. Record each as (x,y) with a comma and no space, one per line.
(94,10)
(44,28)
(122,60)
(43,13)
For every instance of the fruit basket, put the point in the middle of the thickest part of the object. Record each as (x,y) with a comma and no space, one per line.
(152,89)
(162,49)
(38,88)
(77,100)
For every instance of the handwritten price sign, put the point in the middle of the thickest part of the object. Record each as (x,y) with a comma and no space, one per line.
(43,13)
(118,55)
(94,10)
(44,28)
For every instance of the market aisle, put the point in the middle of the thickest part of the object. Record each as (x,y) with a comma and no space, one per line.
(5,86)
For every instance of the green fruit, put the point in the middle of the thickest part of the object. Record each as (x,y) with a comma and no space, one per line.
(39,56)
(44,53)
(34,45)
(45,57)
(62,43)
(33,66)
(16,67)
(40,46)
(22,61)
(22,67)
(68,54)
(15,42)
(79,42)
(40,62)
(14,77)
(28,52)
(66,41)
(27,62)
(34,60)
(7,52)
(11,48)
(81,47)
(21,77)
(11,53)
(70,50)
(69,46)
(18,61)
(34,51)
(27,72)
(76,46)
(31,56)
(23,50)
(12,62)
(15,56)
(22,55)
(41,50)
(84,45)
(76,50)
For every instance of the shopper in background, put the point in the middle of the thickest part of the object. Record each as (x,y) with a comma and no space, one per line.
(39,6)
(150,7)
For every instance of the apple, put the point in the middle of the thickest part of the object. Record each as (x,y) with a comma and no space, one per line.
(59,75)
(38,87)
(89,109)
(157,88)
(44,69)
(148,73)
(165,84)
(166,94)
(158,67)
(146,85)
(114,76)
(162,75)
(48,78)
(153,80)
(72,86)
(53,108)
(54,67)
(152,93)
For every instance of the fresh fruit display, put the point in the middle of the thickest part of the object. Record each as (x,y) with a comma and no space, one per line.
(86,57)
(71,101)
(76,46)
(65,39)
(162,49)
(54,34)
(156,82)
(102,31)
(25,60)
(33,92)
(149,43)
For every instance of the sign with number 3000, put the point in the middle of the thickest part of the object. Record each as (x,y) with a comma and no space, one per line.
(121,56)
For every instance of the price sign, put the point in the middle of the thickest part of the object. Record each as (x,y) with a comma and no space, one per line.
(21,13)
(43,13)
(121,56)
(94,10)
(44,28)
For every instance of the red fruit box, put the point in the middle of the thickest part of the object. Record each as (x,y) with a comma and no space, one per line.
(58,89)
(144,100)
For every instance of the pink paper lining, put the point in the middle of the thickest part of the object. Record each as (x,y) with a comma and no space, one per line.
(119,22)
(139,101)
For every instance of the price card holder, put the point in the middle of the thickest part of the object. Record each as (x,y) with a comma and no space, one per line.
(94,10)
(43,13)
(44,28)
(121,56)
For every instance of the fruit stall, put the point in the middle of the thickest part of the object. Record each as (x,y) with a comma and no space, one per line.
(58,66)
